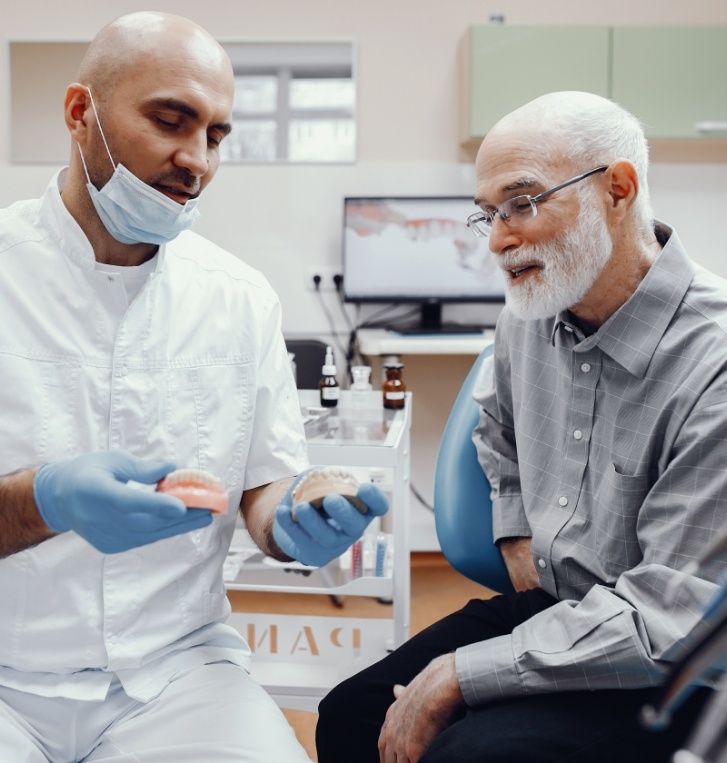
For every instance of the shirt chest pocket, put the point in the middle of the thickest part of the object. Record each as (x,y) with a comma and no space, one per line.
(200,416)
(618,499)
(41,403)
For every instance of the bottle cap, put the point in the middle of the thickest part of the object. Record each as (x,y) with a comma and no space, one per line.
(329,367)
(361,374)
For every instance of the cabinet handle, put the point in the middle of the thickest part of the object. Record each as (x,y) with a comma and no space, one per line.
(711,126)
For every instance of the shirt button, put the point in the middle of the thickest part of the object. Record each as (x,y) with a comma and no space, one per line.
(585,367)
(563,501)
(578,434)
(542,564)
(123,371)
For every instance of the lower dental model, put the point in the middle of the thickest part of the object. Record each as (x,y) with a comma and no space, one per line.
(319,483)
(197,489)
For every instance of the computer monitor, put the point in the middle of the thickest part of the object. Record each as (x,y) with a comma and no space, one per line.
(416,249)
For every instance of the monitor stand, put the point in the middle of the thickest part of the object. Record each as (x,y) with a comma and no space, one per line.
(430,323)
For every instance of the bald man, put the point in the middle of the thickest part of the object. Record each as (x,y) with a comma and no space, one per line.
(602,432)
(130,346)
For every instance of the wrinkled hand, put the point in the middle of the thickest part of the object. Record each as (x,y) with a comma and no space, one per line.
(314,539)
(422,710)
(518,556)
(89,495)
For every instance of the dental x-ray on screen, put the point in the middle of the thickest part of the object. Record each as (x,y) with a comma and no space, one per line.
(416,249)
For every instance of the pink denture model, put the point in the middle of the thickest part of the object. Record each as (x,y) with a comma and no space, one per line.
(197,489)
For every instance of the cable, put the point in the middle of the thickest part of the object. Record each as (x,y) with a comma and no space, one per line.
(331,322)
(420,498)
(338,280)
(380,319)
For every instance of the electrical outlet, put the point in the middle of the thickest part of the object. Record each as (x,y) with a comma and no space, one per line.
(326,273)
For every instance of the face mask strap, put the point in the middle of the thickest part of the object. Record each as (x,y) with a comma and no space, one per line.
(83,162)
(100,129)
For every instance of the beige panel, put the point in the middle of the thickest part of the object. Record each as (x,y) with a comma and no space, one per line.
(40,72)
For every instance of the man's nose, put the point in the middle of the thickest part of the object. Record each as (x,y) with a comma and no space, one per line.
(502,237)
(193,156)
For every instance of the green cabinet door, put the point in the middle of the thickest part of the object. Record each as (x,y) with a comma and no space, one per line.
(673,78)
(510,65)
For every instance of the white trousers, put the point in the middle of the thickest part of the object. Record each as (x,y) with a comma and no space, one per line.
(214,712)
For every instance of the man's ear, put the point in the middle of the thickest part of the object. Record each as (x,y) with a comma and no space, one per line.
(77,108)
(623,188)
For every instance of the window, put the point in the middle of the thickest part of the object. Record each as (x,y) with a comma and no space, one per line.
(293,103)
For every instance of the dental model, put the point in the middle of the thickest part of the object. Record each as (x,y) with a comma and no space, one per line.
(319,483)
(197,489)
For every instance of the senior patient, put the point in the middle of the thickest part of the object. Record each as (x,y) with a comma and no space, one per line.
(603,433)
(129,346)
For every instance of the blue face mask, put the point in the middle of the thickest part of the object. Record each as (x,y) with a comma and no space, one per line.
(134,212)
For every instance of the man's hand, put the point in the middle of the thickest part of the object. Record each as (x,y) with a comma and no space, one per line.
(89,494)
(518,556)
(422,710)
(314,539)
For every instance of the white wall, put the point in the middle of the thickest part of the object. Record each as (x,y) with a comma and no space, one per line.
(285,219)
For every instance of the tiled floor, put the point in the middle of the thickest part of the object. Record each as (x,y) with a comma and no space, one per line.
(436,590)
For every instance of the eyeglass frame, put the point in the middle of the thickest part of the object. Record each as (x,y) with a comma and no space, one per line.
(488,218)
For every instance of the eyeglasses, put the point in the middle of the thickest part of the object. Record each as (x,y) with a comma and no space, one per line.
(519,208)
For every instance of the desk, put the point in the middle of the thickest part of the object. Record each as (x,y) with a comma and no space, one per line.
(298,659)
(385,342)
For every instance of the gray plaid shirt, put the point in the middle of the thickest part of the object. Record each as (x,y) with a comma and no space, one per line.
(610,451)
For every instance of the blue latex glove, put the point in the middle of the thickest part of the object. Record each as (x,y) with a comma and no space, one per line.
(89,494)
(314,539)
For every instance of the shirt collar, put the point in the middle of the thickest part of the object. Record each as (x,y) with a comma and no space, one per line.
(632,334)
(66,232)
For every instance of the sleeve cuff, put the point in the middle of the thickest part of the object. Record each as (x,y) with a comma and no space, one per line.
(508,518)
(486,671)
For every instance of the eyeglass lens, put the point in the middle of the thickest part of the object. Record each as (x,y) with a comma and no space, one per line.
(519,208)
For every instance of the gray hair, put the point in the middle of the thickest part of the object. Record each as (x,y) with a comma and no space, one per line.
(597,131)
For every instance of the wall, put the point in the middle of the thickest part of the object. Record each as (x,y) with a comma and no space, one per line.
(286,219)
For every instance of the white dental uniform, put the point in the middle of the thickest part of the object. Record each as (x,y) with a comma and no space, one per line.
(194,369)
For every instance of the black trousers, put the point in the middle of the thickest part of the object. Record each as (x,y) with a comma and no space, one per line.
(588,726)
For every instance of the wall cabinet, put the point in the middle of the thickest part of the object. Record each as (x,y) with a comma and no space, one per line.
(672,78)
(510,65)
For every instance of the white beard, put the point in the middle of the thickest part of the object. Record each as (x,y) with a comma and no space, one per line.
(569,266)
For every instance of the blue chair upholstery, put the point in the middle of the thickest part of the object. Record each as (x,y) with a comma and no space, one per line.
(462,504)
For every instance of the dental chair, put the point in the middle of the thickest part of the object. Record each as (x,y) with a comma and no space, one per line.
(462,504)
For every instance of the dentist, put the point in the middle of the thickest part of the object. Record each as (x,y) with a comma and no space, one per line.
(130,346)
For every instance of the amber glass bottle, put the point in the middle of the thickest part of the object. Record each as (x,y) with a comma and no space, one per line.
(393,388)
